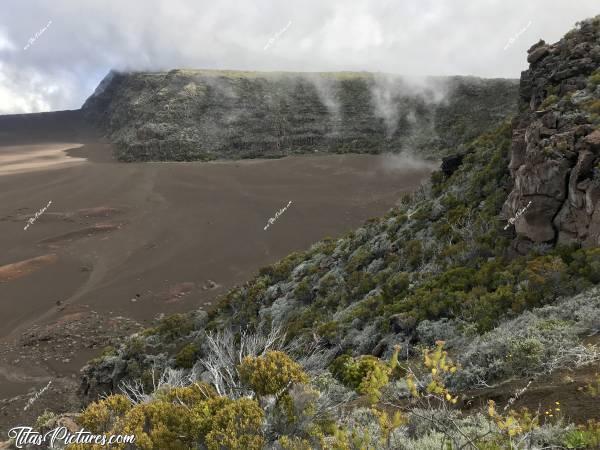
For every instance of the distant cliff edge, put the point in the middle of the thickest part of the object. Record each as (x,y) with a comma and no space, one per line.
(205,115)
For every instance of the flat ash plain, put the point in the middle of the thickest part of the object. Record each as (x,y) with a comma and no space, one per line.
(122,243)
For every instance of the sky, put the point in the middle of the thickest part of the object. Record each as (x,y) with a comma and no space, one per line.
(53,53)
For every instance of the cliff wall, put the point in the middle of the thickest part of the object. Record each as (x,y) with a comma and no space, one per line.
(200,114)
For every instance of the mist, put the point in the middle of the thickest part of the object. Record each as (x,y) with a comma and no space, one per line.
(406,159)
(327,91)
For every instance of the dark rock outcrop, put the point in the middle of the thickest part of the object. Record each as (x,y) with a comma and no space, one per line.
(200,114)
(451,163)
(555,154)
(101,379)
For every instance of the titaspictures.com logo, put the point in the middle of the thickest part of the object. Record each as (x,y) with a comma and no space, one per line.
(22,436)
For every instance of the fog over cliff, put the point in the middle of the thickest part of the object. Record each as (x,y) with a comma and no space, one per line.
(53,54)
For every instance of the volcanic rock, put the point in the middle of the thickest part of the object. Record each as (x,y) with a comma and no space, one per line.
(556,143)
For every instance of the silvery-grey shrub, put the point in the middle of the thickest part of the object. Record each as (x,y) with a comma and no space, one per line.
(538,341)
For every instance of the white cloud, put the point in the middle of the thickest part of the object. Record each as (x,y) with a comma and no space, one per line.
(28,91)
(6,45)
(368,31)
(14,101)
(411,37)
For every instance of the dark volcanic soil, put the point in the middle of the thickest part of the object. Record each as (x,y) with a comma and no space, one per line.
(131,241)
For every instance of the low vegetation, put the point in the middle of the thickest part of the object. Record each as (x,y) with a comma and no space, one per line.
(359,312)
(287,406)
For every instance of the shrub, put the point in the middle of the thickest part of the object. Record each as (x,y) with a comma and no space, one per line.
(360,258)
(188,395)
(186,357)
(592,106)
(186,417)
(546,275)
(538,341)
(397,285)
(365,374)
(360,283)
(550,100)
(294,443)
(329,330)
(594,78)
(237,426)
(584,263)
(271,374)
(282,269)
(514,423)
(593,388)
(100,416)
(303,292)
(438,364)
(107,352)
(159,424)
(174,326)
(413,251)
(584,436)
(45,419)
(525,355)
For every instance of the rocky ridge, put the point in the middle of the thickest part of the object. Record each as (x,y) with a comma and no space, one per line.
(555,152)
(208,114)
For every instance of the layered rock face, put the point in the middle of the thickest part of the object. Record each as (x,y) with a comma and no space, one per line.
(200,114)
(555,154)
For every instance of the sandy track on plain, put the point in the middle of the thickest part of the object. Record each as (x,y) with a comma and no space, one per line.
(28,158)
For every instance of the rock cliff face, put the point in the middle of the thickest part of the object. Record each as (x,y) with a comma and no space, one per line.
(555,155)
(195,114)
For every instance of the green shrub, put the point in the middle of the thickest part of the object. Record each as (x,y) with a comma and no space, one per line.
(271,374)
(327,283)
(525,354)
(413,252)
(45,419)
(303,292)
(282,269)
(329,330)
(550,100)
(99,416)
(584,436)
(173,327)
(397,285)
(177,418)
(106,352)
(188,395)
(594,78)
(365,374)
(186,357)
(237,426)
(360,259)
(592,106)
(360,283)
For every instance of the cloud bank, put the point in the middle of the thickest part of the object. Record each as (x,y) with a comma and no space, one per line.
(411,37)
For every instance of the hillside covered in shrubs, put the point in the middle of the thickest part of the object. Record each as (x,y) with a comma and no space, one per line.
(427,328)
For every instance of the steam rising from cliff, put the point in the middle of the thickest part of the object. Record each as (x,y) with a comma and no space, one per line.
(393,98)
(406,160)
(327,90)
